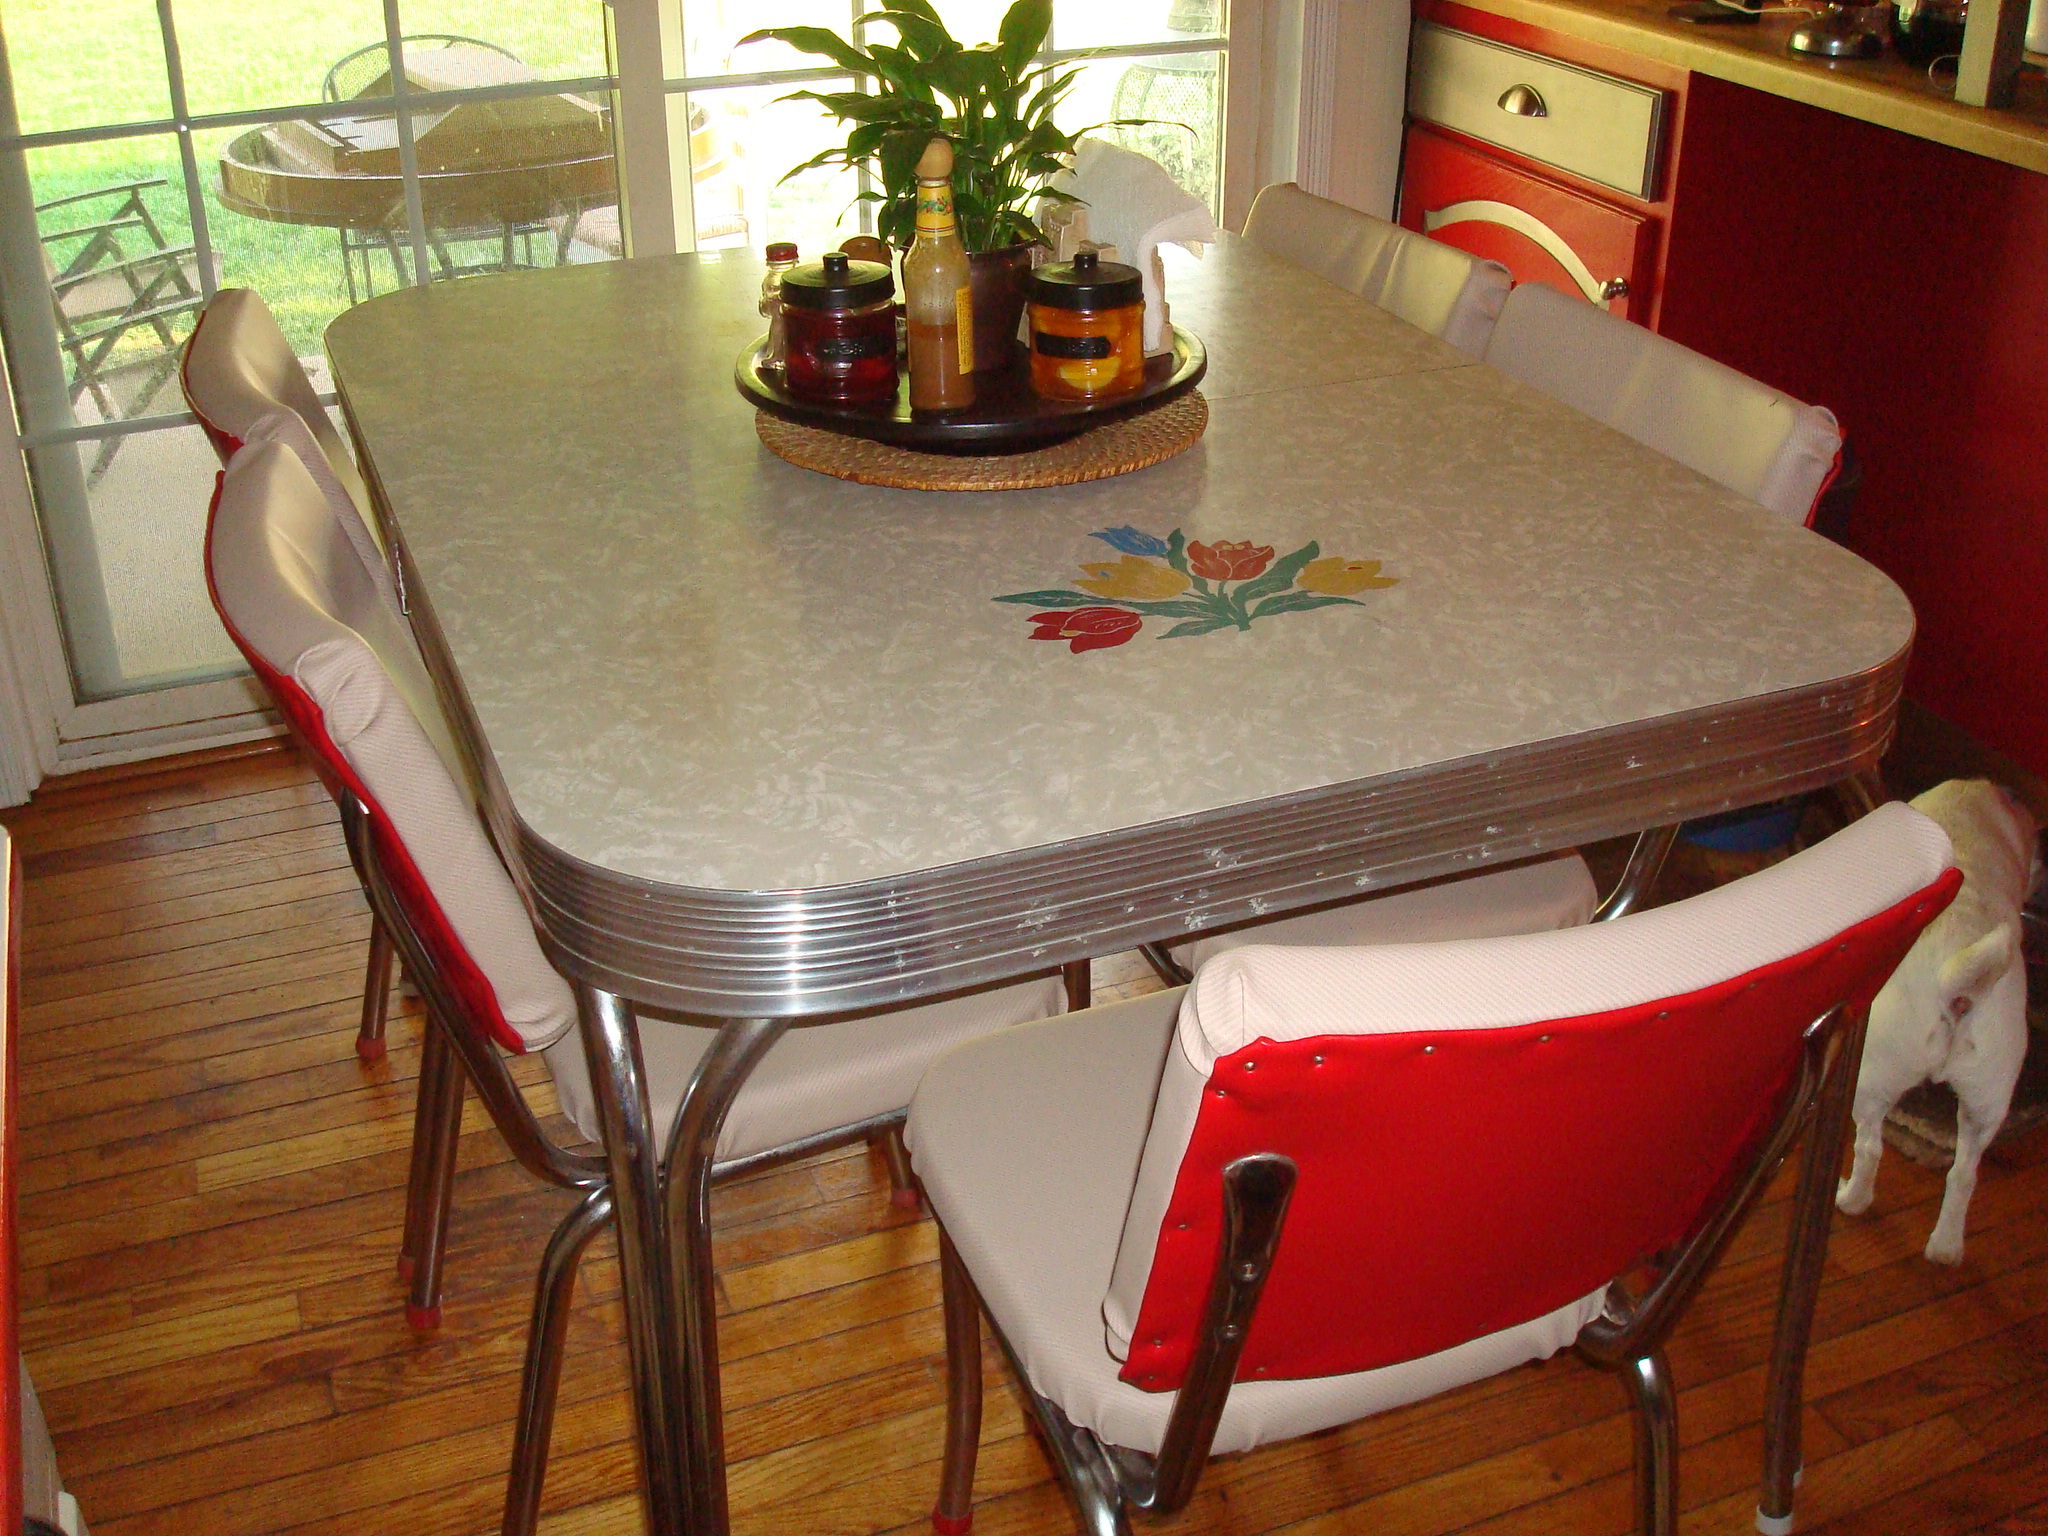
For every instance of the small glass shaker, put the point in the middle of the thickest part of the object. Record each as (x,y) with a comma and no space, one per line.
(781,257)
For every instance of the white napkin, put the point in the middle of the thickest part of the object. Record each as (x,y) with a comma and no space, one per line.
(1136,207)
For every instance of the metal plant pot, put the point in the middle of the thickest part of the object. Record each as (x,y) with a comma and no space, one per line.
(997,278)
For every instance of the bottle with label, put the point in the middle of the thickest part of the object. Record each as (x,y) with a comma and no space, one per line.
(938,301)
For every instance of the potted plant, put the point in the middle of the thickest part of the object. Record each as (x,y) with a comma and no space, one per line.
(993,101)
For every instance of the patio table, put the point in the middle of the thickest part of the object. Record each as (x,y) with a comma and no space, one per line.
(771,747)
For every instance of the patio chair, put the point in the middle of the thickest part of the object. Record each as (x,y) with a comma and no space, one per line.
(1320,1184)
(112,276)
(1434,287)
(1747,436)
(294,596)
(244,383)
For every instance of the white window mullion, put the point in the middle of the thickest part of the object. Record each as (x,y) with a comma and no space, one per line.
(648,205)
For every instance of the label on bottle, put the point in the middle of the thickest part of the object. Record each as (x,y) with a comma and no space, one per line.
(963,320)
(934,208)
(1087,347)
(839,351)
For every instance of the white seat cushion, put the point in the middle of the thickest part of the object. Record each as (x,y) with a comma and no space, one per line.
(1028,1145)
(1543,894)
(816,1078)
(1746,435)
(1435,287)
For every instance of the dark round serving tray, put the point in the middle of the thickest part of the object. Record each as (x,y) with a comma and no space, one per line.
(1006,417)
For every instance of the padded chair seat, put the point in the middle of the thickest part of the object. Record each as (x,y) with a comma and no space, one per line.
(1537,897)
(1030,1164)
(814,1079)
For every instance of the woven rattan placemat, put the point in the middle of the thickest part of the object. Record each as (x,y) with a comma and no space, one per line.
(1117,448)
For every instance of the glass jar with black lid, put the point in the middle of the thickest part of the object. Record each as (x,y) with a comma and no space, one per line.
(1087,329)
(840,319)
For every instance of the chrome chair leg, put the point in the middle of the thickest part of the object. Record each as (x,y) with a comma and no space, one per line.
(687,1165)
(1639,875)
(1799,1294)
(435,1063)
(541,1378)
(376,995)
(423,1307)
(1164,966)
(611,1044)
(1079,977)
(1648,1378)
(953,1515)
(902,1182)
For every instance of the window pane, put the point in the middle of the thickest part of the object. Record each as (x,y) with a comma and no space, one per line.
(300,41)
(712,30)
(741,142)
(1091,24)
(129,572)
(527,181)
(80,66)
(562,39)
(1178,91)
(973,21)
(116,288)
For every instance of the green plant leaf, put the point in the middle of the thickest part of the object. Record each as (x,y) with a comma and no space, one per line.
(1177,552)
(1058,599)
(1278,576)
(1023,29)
(1197,627)
(1300,602)
(819,40)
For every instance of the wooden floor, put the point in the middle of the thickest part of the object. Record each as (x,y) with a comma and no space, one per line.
(212,1209)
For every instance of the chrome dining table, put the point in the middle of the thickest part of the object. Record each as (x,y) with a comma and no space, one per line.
(770,747)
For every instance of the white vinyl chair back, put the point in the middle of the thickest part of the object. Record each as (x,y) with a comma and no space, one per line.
(239,369)
(1724,424)
(338,659)
(1435,287)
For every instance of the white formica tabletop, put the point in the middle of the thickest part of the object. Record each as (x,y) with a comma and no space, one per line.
(762,740)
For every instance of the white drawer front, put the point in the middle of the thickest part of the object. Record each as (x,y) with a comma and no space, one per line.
(1592,125)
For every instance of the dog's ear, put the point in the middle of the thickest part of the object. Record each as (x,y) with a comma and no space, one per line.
(1966,975)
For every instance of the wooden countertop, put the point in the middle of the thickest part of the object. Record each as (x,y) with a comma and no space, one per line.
(1886,90)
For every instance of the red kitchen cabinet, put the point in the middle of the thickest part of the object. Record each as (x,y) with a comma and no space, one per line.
(1540,230)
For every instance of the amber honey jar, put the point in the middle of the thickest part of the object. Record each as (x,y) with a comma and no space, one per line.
(839,319)
(1087,329)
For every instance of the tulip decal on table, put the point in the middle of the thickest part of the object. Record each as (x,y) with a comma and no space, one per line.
(1207,587)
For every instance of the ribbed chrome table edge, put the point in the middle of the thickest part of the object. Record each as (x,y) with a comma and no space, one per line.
(847,948)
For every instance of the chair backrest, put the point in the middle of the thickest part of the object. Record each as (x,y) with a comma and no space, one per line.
(1434,287)
(1489,1129)
(239,369)
(342,667)
(1752,439)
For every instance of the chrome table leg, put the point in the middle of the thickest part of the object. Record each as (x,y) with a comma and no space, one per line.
(611,1044)
(1805,1257)
(1639,875)
(692,1149)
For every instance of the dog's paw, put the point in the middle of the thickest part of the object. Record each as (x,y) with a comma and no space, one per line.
(1852,1199)
(1945,1250)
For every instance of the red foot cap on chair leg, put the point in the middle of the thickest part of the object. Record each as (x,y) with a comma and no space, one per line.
(405,1266)
(422,1319)
(370,1050)
(906,1199)
(952,1525)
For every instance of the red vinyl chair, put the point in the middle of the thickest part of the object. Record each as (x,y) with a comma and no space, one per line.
(245,384)
(297,600)
(1322,1183)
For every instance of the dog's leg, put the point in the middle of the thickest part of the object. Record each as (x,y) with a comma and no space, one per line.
(1880,1085)
(1983,1071)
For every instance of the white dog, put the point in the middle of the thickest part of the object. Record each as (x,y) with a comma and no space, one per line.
(1955,1011)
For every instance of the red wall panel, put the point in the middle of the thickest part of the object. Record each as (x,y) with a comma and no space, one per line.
(1904,285)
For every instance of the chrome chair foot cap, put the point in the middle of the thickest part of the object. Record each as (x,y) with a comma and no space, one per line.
(370,1050)
(1774,1525)
(906,1199)
(952,1525)
(427,1319)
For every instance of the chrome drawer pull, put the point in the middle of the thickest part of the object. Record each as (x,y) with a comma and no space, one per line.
(1614,288)
(1523,101)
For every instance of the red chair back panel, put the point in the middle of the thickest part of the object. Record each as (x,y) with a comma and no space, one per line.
(1453,1183)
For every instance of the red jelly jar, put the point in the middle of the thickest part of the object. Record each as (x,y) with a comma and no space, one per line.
(841,322)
